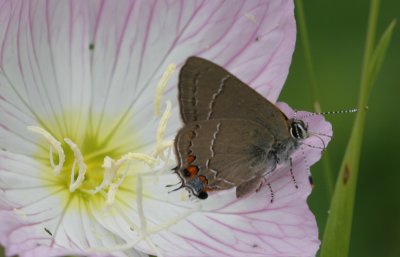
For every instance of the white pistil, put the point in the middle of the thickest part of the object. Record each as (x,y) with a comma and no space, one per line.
(53,143)
(74,184)
(111,168)
(139,201)
(109,174)
(161,87)
(113,189)
(112,192)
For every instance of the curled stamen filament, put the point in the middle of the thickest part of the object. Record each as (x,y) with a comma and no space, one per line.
(161,86)
(161,144)
(74,184)
(53,143)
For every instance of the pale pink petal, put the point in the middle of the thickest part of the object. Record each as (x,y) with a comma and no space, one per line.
(71,65)
(48,67)
(16,234)
(226,226)
(134,43)
(44,69)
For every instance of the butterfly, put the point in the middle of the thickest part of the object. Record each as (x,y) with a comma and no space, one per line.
(232,136)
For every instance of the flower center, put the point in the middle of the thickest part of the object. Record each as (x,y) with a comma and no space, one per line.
(93,168)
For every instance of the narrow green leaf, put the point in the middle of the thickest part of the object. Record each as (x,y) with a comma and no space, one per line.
(337,233)
(336,240)
(380,52)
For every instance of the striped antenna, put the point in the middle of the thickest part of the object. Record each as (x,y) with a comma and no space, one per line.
(338,112)
(332,112)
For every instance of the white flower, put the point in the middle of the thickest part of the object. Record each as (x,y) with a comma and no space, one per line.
(88,117)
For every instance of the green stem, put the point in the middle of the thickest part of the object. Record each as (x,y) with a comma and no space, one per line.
(336,241)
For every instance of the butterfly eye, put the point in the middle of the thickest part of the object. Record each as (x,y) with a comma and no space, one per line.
(298,130)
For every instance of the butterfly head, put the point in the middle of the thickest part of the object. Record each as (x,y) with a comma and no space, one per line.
(298,130)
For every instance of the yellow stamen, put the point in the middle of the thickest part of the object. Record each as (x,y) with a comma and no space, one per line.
(109,174)
(161,87)
(74,184)
(149,160)
(161,143)
(53,143)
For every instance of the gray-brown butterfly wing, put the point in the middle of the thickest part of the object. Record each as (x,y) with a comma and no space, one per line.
(207,91)
(228,152)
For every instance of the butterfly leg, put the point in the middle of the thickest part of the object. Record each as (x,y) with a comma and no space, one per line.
(248,187)
(262,183)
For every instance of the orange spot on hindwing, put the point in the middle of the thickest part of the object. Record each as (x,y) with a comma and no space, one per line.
(204,180)
(190,171)
(190,159)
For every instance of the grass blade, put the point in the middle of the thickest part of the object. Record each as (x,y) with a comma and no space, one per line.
(336,240)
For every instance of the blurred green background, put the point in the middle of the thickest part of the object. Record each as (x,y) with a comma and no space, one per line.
(337,31)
